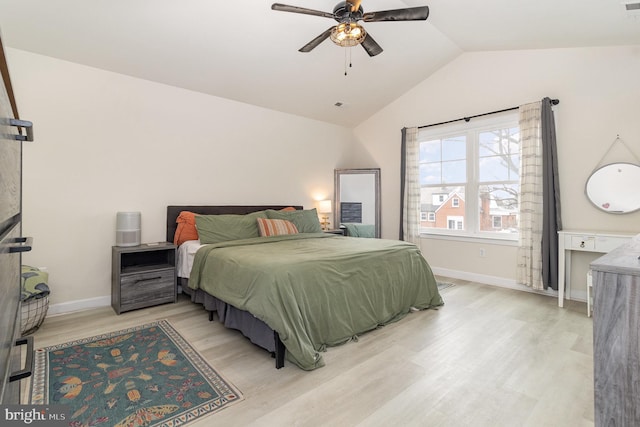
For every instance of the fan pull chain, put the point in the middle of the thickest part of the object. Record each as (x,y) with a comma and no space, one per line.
(345,60)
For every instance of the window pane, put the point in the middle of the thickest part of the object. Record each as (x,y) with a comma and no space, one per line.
(430,151)
(514,140)
(490,144)
(442,214)
(430,173)
(454,172)
(494,169)
(499,142)
(514,173)
(499,208)
(454,148)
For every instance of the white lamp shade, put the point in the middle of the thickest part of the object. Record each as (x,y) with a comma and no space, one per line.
(324,206)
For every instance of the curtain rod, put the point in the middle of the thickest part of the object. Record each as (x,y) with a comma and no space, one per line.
(467,119)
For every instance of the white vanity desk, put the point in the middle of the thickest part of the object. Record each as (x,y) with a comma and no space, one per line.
(585,241)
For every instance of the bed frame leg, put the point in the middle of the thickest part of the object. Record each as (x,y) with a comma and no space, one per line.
(280,349)
(211,316)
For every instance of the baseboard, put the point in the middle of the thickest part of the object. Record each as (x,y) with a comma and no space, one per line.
(78,305)
(501,282)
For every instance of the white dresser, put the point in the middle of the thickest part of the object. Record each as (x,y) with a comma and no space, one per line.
(584,241)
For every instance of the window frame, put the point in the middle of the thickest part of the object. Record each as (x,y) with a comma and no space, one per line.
(471,130)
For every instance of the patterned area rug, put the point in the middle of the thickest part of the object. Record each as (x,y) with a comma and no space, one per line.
(143,376)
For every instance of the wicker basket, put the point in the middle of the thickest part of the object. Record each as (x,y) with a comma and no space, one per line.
(35,298)
(33,314)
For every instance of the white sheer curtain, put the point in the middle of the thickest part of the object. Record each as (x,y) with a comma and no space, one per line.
(529,270)
(411,197)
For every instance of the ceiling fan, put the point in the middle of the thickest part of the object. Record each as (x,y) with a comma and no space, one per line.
(348,32)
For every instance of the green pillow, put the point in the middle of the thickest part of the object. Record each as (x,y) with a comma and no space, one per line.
(306,221)
(222,228)
(360,230)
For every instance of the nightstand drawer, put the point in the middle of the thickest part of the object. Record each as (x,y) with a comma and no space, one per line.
(148,288)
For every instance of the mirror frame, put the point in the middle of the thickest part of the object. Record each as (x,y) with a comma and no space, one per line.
(336,194)
(595,202)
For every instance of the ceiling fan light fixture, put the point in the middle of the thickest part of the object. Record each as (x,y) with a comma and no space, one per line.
(348,34)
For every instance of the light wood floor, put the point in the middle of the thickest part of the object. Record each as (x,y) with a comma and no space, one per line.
(489,357)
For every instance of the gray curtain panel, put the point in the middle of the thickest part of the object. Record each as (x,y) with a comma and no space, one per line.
(552,222)
(403,166)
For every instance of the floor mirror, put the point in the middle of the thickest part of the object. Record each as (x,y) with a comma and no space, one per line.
(357,201)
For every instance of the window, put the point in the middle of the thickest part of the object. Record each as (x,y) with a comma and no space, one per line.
(497,222)
(469,177)
(455,223)
(423,216)
(431,217)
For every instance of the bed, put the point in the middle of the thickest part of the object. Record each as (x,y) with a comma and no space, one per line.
(296,293)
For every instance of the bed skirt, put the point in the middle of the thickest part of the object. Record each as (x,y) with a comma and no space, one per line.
(231,317)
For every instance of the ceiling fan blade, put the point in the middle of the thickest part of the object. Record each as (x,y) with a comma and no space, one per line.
(295,9)
(315,42)
(408,14)
(370,45)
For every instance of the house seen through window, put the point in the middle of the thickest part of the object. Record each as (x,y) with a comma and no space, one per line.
(469,178)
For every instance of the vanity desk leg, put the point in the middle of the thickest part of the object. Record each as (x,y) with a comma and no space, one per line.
(564,266)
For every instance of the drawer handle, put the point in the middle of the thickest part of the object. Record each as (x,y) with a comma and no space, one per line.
(23,124)
(582,244)
(28,364)
(149,279)
(20,244)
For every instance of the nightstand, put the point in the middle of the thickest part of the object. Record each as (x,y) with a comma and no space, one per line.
(339,231)
(143,276)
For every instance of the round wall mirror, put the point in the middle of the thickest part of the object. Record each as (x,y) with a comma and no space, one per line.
(614,188)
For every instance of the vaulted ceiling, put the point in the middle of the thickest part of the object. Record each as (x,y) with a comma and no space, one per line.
(247,52)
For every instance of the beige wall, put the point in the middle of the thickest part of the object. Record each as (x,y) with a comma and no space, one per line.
(598,100)
(107,142)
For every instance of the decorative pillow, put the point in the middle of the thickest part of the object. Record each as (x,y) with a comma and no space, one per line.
(306,221)
(222,228)
(186,229)
(275,227)
(287,209)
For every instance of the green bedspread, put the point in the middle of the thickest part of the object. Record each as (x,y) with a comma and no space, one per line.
(316,289)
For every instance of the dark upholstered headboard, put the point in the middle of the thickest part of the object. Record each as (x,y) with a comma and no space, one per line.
(174,211)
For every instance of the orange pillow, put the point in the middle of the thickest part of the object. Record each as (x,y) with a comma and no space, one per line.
(289,208)
(275,227)
(186,229)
